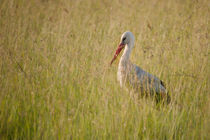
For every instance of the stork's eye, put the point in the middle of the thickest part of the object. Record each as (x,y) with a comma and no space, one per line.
(124,39)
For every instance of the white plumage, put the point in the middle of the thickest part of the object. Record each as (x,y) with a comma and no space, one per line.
(134,75)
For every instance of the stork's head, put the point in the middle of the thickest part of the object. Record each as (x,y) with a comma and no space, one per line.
(127,39)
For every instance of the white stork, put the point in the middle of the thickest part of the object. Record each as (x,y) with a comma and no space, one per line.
(134,75)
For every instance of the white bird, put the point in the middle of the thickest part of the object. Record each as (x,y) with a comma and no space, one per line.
(134,75)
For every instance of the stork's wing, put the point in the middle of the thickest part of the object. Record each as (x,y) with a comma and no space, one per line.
(152,82)
(161,82)
(146,78)
(143,75)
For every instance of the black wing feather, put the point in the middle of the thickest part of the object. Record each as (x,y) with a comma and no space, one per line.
(161,82)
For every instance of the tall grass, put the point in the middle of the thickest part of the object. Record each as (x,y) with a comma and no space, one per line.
(56,82)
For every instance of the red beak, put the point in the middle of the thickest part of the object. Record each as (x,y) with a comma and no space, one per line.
(119,49)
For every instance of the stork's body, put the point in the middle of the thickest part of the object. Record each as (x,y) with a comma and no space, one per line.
(134,75)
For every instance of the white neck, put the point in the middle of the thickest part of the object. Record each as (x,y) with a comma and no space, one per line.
(123,67)
(126,54)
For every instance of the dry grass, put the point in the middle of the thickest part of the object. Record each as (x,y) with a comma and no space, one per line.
(56,82)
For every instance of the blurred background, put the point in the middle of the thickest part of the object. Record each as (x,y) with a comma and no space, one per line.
(56,82)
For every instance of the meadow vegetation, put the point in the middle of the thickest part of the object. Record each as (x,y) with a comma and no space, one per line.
(56,82)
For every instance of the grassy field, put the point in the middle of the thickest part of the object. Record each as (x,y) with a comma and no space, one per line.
(56,82)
